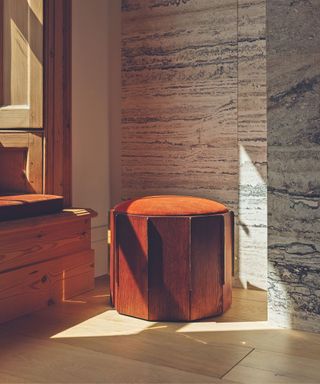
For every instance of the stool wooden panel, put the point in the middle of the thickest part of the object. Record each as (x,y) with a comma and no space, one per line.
(171,268)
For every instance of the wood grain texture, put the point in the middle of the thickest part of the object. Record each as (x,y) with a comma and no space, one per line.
(207,266)
(112,256)
(228,262)
(57,91)
(22,62)
(28,289)
(25,175)
(44,260)
(86,334)
(47,241)
(169,268)
(131,268)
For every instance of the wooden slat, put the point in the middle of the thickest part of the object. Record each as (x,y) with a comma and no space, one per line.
(206,266)
(66,216)
(57,90)
(43,242)
(26,174)
(35,163)
(48,108)
(169,255)
(67,84)
(12,170)
(131,270)
(228,259)
(31,288)
(112,256)
(22,62)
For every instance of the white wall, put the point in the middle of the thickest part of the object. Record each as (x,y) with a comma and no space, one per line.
(90,118)
(114,34)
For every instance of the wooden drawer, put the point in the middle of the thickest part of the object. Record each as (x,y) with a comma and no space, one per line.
(44,260)
(39,239)
(36,286)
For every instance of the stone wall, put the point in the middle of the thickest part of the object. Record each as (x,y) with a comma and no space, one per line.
(293,67)
(194,113)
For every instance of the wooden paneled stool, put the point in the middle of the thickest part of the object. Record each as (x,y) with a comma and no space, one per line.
(171,258)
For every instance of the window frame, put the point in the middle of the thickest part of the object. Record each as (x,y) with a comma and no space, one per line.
(57,99)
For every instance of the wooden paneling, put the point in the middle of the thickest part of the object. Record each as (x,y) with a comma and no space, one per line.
(23,171)
(112,256)
(207,266)
(45,50)
(169,268)
(22,64)
(13,163)
(131,271)
(44,260)
(228,229)
(34,287)
(28,245)
(57,95)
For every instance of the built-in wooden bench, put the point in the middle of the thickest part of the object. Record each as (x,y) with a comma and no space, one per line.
(44,260)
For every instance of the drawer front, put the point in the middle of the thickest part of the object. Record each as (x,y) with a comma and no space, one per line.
(33,244)
(31,288)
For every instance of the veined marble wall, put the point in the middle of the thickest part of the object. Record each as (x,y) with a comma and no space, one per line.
(193,110)
(293,67)
(252,142)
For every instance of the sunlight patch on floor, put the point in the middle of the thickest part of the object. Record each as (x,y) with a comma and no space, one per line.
(211,326)
(109,323)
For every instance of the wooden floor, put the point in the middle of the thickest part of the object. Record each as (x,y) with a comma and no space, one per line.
(85,341)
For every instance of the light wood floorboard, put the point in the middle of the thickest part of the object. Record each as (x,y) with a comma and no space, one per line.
(85,341)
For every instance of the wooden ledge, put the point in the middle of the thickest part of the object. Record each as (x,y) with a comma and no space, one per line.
(67,215)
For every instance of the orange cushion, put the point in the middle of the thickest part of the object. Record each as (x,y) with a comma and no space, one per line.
(170,206)
(28,205)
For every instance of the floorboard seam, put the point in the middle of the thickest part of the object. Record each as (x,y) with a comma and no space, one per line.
(229,370)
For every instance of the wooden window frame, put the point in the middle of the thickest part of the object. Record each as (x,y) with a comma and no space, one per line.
(24,115)
(57,98)
(55,163)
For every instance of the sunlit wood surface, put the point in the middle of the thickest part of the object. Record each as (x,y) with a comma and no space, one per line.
(85,341)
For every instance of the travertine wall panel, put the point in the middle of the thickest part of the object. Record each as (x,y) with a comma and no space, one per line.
(193,110)
(179,100)
(252,141)
(293,67)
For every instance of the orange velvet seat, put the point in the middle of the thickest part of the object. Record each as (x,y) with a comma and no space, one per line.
(21,206)
(166,205)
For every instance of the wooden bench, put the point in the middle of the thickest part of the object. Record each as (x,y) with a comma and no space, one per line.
(44,260)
